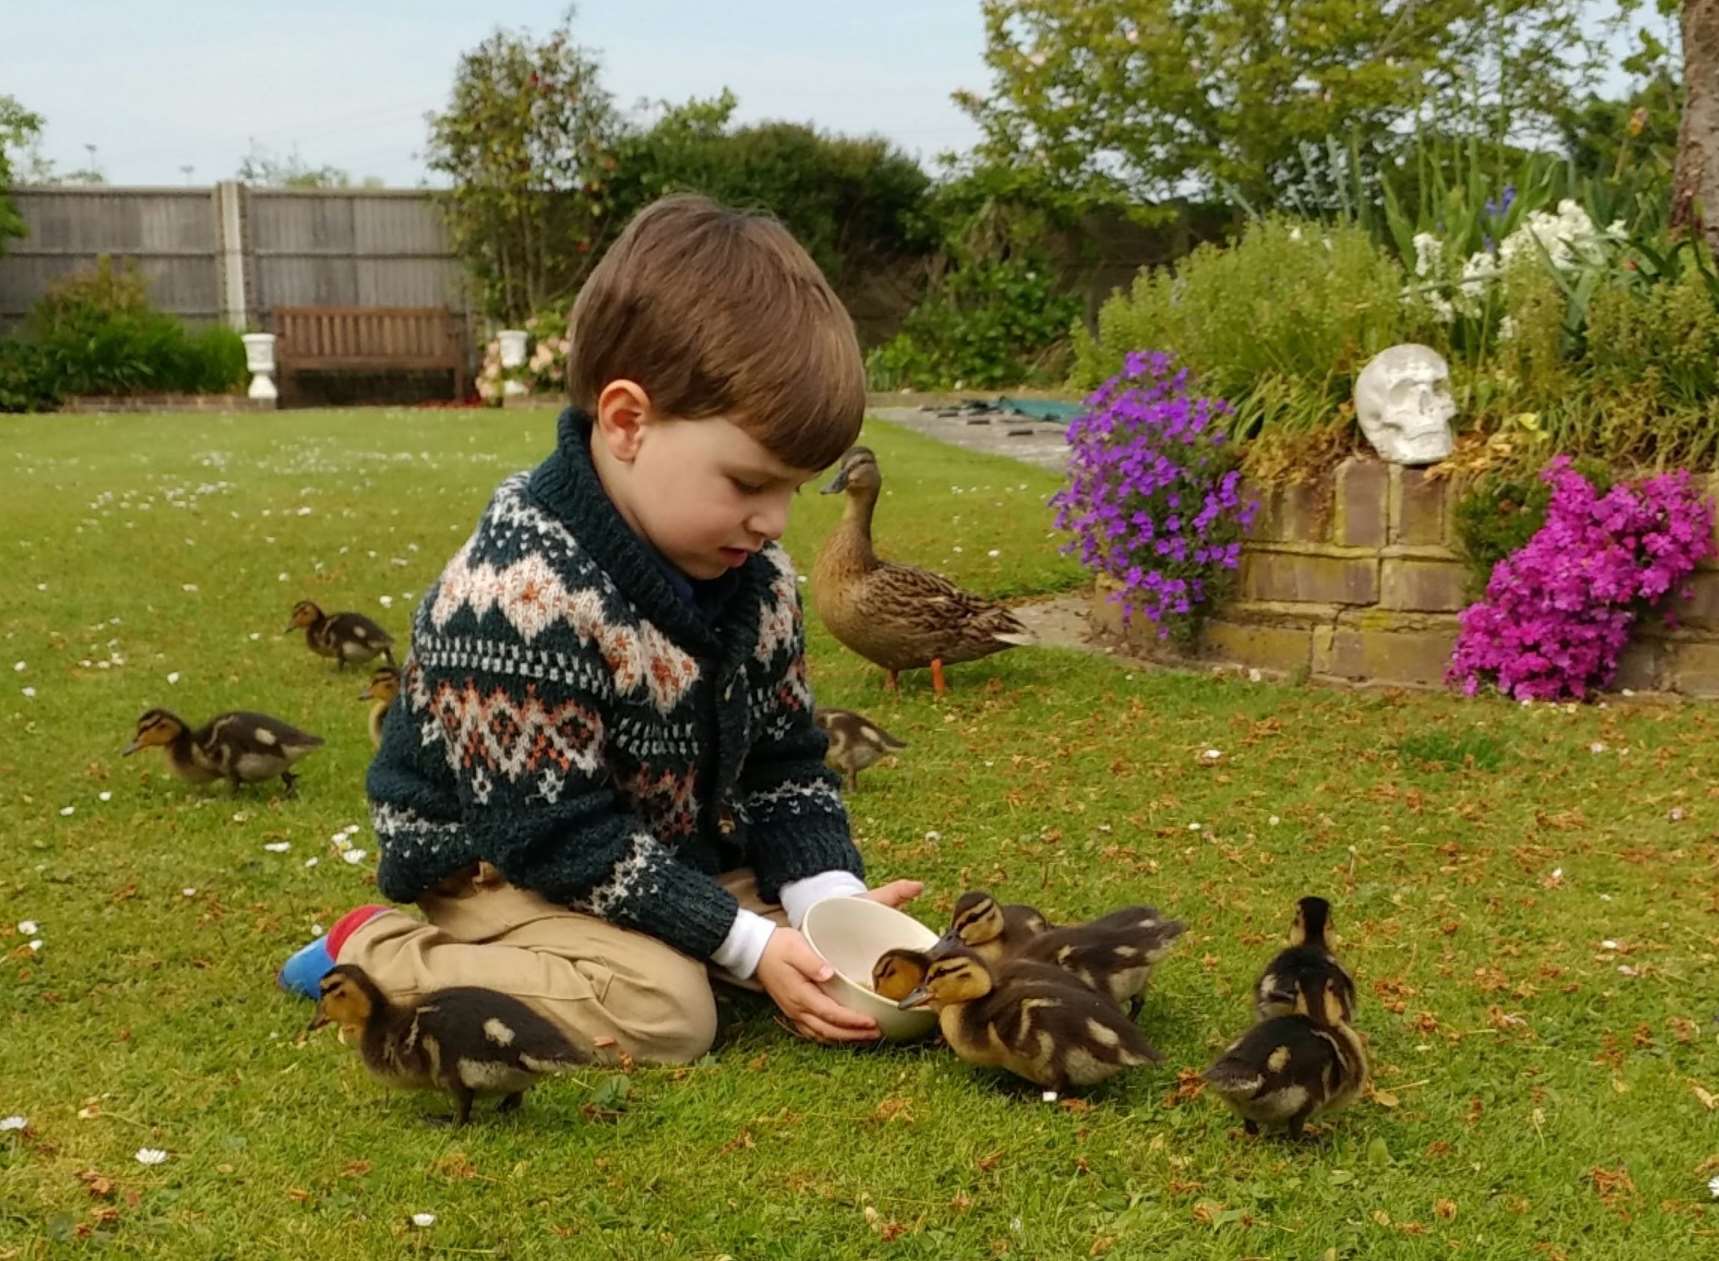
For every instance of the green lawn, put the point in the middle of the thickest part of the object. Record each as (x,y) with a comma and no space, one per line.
(1529,898)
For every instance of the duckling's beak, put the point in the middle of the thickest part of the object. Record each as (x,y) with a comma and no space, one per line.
(364,695)
(289,630)
(131,748)
(918,998)
(838,484)
(316,1021)
(947,942)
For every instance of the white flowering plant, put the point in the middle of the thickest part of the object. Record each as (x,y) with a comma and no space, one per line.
(544,371)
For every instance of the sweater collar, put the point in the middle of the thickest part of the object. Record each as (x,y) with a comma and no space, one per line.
(567,486)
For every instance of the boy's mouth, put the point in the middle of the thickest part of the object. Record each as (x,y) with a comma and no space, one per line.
(735,557)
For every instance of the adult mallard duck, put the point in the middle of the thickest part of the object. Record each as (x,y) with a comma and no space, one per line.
(897,616)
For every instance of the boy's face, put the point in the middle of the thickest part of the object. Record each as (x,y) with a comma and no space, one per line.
(704,493)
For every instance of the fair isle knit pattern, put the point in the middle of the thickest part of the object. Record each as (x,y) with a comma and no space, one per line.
(567,717)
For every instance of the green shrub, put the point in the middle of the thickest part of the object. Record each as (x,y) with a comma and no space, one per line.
(1500,511)
(95,333)
(983,325)
(1279,322)
(25,383)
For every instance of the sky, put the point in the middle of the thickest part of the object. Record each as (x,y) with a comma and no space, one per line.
(158,86)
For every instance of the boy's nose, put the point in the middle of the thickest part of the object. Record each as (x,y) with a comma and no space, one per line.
(769,522)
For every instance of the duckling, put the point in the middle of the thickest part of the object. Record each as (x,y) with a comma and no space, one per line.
(897,973)
(465,1040)
(994,931)
(384,687)
(1113,955)
(897,616)
(343,636)
(855,742)
(241,747)
(1030,1019)
(1289,1068)
(1306,963)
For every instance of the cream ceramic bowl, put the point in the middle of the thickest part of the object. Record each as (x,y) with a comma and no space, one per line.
(849,934)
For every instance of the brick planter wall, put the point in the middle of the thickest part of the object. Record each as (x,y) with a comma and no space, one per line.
(1357,579)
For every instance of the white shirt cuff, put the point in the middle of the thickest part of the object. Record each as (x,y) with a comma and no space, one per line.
(744,946)
(799,895)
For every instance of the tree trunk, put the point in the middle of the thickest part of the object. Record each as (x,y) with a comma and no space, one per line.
(1695,189)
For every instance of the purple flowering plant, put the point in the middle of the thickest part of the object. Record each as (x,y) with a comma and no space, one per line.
(1154,497)
(1558,612)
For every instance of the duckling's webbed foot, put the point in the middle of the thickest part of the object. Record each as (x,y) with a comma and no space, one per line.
(290,781)
(510,1103)
(1297,1126)
(1135,1006)
(1250,1126)
(462,1107)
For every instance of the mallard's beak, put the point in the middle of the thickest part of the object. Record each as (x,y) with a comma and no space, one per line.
(944,944)
(364,695)
(131,748)
(316,1021)
(838,484)
(918,998)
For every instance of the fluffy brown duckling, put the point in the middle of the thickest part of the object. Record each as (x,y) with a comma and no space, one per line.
(1114,955)
(465,1040)
(991,929)
(1035,1021)
(240,747)
(897,973)
(384,686)
(1288,1069)
(898,617)
(1305,965)
(855,742)
(347,637)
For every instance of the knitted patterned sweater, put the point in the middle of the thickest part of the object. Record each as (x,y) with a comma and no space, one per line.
(567,717)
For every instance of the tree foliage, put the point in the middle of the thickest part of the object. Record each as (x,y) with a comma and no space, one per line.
(18,129)
(527,141)
(1139,101)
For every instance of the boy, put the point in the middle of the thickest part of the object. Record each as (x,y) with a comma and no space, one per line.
(602,781)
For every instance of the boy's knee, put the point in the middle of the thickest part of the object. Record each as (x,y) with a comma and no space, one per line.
(668,1017)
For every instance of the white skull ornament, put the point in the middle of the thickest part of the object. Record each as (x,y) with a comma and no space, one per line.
(1404,404)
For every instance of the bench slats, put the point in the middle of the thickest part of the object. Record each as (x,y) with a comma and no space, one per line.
(310,339)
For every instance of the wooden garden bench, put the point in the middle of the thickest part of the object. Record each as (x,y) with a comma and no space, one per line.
(368,339)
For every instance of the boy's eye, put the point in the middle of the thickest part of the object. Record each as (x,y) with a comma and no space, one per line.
(745,487)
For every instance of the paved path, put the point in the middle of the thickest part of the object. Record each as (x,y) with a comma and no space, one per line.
(1039,442)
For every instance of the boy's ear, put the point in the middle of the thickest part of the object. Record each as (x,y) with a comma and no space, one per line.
(623,408)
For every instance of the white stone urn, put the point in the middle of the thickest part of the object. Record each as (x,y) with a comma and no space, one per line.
(512,356)
(260,361)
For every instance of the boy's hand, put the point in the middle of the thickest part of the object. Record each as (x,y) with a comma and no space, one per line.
(789,971)
(896,893)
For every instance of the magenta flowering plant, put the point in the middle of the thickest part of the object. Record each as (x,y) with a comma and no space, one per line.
(1558,611)
(1154,498)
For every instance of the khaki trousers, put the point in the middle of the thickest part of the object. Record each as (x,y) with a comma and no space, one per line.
(608,987)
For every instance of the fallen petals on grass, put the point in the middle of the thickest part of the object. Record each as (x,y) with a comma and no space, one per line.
(278,847)
(354,856)
(29,927)
(423,1220)
(18,1123)
(150,1156)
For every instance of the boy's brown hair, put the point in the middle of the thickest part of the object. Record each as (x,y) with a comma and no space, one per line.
(720,312)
